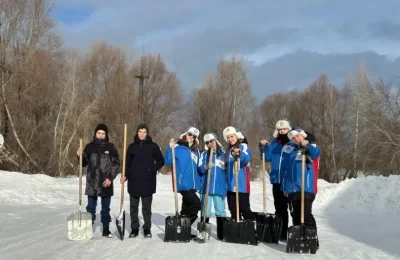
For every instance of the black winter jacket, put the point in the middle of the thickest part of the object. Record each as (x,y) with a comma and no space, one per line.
(102,161)
(143,160)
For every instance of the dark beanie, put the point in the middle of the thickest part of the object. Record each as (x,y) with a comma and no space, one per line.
(101,127)
(142,126)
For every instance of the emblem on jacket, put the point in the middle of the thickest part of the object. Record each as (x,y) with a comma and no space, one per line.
(106,152)
(288,149)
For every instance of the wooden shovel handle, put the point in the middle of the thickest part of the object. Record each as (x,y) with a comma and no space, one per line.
(236,169)
(302,187)
(174,177)
(208,185)
(80,174)
(264,184)
(123,167)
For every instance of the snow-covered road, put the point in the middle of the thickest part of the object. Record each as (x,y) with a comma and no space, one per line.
(357,219)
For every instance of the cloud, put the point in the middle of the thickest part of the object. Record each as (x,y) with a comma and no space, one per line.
(193,35)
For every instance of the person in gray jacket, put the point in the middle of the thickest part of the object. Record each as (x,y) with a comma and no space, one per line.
(103,164)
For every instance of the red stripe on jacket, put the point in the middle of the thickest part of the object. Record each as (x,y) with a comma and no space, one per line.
(247,170)
(316,170)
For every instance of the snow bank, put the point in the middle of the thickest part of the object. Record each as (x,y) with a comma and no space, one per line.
(364,194)
(22,188)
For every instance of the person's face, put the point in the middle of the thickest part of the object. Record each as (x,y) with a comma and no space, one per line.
(100,134)
(189,137)
(232,139)
(212,144)
(298,139)
(142,134)
(283,131)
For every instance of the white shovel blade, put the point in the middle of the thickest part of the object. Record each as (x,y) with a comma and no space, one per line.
(80,226)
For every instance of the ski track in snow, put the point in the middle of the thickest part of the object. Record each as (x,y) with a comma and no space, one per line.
(356,219)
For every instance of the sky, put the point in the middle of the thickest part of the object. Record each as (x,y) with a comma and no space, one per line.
(286,44)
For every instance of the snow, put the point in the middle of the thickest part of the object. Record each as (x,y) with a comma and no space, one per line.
(357,219)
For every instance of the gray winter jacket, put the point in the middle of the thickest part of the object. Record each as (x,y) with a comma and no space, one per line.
(102,161)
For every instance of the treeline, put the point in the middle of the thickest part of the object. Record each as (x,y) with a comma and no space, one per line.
(51,96)
(357,127)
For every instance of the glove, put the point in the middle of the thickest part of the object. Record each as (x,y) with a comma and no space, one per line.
(262,144)
(208,165)
(235,153)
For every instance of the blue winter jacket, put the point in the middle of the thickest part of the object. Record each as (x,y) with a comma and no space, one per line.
(273,154)
(291,167)
(186,167)
(244,179)
(218,175)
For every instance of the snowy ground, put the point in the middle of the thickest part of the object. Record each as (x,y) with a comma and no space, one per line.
(357,219)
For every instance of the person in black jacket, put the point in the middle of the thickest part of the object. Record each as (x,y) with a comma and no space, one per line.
(102,161)
(143,160)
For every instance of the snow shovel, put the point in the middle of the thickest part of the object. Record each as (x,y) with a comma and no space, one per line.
(236,230)
(204,229)
(268,226)
(120,221)
(177,228)
(302,238)
(80,223)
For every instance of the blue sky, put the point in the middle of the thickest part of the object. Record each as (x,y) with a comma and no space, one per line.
(286,43)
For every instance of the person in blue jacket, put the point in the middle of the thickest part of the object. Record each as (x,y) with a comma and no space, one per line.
(218,188)
(292,168)
(273,155)
(237,150)
(187,157)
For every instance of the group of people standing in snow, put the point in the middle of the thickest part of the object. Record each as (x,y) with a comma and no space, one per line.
(284,153)
(144,158)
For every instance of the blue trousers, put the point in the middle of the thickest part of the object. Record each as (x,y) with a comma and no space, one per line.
(219,205)
(105,208)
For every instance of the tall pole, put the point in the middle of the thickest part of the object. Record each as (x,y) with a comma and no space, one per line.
(141,78)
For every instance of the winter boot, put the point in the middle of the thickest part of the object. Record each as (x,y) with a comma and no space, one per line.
(147,233)
(106,230)
(192,220)
(134,233)
(220,228)
(283,236)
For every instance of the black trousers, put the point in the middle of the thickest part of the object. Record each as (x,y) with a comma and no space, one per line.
(191,204)
(244,205)
(281,204)
(146,211)
(295,207)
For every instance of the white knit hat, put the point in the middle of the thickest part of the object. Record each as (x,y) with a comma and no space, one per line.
(240,136)
(208,138)
(292,133)
(194,131)
(230,130)
(281,124)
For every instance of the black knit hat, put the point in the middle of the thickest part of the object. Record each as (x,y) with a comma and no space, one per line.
(101,127)
(142,126)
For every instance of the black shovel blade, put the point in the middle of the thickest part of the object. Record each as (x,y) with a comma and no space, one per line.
(120,222)
(302,239)
(242,232)
(268,227)
(177,229)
